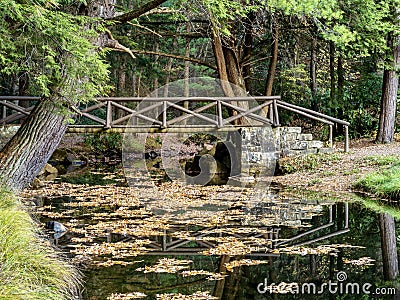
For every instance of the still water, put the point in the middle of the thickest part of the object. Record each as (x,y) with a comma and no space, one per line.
(166,240)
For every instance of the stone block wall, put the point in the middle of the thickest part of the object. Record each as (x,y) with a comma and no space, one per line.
(259,151)
(262,147)
(294,143)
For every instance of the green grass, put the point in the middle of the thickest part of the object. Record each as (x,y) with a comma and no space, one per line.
(30,268)
(384,183)
(383,160)
(309,162)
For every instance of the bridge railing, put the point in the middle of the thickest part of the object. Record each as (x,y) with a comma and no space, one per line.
(158,114)
(172,113)
(320,117)
(146,114)
(12,110)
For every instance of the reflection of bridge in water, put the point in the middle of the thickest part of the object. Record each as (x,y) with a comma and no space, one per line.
(261,240)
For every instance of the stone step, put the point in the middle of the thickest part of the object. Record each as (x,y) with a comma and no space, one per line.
(284,130)
(305,137)
(293,142)
(304,145)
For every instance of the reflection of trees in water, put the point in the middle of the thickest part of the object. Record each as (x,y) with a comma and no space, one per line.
(320,269)
(389,247)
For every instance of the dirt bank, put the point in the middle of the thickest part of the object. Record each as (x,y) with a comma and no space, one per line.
(339,174)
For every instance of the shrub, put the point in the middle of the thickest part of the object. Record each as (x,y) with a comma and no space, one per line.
(102,142)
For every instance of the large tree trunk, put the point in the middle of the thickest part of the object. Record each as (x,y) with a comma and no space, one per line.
(229,70)
(25,155)
(168,67)
(340,94)
(220,61)
(313,74)
(332,71)
(247,52)
(389,247)
(274,59)
(389,95)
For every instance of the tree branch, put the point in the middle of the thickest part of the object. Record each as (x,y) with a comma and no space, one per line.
(191,35)
(248,62)
(195,60)
(112,43)
(133,14)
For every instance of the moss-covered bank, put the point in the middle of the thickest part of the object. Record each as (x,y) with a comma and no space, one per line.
(383,183)
(30,268)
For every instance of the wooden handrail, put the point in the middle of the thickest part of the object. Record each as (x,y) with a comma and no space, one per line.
(27,98)
(314,115)
(312,112)
(193,99)
(305,114)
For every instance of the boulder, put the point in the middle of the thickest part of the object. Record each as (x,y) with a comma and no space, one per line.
(56,226)
(50,169)
(37,184)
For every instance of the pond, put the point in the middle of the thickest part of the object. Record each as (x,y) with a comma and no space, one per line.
(167,240)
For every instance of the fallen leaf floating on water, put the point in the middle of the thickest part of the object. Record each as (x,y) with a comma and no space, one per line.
(243,262)
(82,260)
(281,288)
(135,295)
(118,250)
(58,215)
(211,275)
(166,265)
(111,262)
(321,250)
(195,296)
(86,239)
(363,261)
(231,248)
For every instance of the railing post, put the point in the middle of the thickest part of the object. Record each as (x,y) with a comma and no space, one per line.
(4,111)
(219,114)
(109,115)
(331,135)
(271,112)
(346,141)
(164,115)
(276,113)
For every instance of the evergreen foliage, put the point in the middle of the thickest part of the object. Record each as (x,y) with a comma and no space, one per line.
(55,49)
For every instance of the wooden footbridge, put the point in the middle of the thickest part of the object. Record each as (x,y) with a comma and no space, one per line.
(171,114)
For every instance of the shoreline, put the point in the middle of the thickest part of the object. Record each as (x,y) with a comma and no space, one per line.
(340,173)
